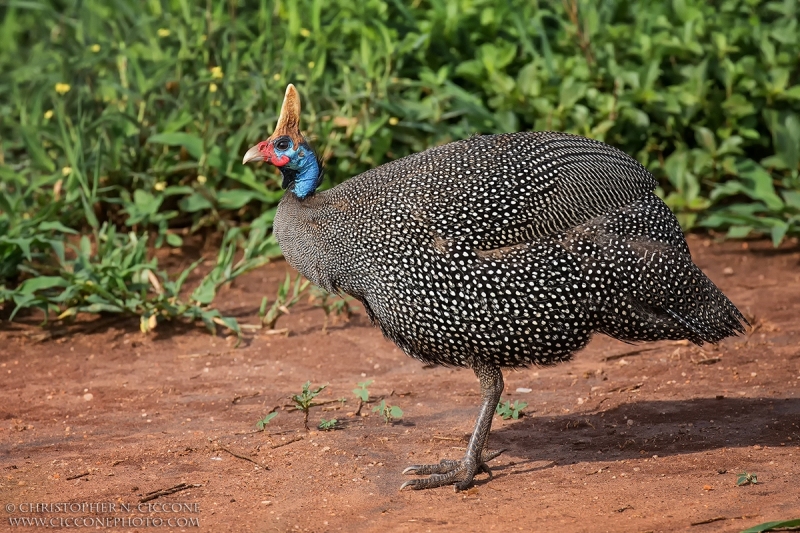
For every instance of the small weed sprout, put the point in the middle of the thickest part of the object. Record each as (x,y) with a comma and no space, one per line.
(362,394)
(332,304)
(304,400)
(328,425)
(283,301)
(389,413)
(746,479)
(361,391)
(508,410)
(261,424)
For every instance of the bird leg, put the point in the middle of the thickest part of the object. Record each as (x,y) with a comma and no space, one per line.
(461,472)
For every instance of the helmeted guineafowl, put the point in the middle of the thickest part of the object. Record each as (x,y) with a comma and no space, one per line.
(496,251)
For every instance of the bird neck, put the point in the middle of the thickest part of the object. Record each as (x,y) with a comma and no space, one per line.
(304,174)
(307,250)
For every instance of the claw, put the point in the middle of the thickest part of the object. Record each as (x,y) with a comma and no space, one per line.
(489,455)
(448,471)
(435,480)
(442,467)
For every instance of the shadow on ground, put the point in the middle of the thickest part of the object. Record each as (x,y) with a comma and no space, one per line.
(662,428)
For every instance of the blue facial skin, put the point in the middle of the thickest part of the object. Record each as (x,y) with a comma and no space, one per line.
(303,168)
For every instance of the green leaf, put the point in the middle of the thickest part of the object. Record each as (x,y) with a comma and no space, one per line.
(204,294)
(195,202)
(739,232)
(497,56)
(793,524)
(787,141)
(471,69)
(570,92)
(758,184)
(208,316)
(23,244)
(38,155)
(231,324)
(792,198)
(54,225)
(778,233)
(234,198)
(792,93)
(58,249)
(33,285)
(85,248)
(266,420)
(175,190)
(528,80)
(174,240)
(706,139)
(192,143)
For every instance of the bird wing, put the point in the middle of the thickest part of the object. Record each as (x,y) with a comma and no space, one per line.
(494,191)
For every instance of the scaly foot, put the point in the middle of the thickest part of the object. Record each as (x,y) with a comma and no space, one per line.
(449,471)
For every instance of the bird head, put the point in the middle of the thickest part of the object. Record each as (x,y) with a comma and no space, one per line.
(288,150)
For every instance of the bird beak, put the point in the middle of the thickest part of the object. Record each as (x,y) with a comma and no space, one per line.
(253,154)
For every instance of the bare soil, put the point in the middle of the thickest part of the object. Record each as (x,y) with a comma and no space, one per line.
(624,438)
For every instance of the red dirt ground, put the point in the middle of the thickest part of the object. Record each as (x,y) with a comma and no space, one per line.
(624,438)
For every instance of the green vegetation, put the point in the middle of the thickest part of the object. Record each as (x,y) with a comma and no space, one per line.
(779,525)
(289,295)
(390,413)
(508,410)
(304,401)
(746,479)
(283,300)
(361,391)
(111,273)
(328,425)
(125,120)
(333,305)
(362,394)
(261,424)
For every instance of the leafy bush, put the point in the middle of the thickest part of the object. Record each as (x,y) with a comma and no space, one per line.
(135,114)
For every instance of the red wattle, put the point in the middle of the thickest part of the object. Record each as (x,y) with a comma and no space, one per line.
(279,161)
(269,155)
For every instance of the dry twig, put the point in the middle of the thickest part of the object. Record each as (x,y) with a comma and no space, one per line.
(242,457)
(287,442)
(165,492)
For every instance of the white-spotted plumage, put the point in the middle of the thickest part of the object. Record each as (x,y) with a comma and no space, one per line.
(509,249)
